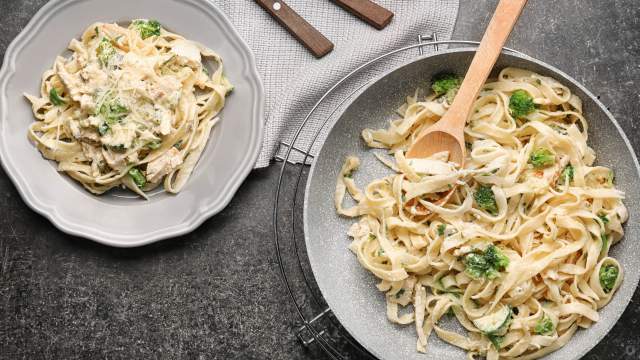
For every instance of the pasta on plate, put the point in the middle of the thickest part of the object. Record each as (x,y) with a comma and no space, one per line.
(130,107)
(515,245)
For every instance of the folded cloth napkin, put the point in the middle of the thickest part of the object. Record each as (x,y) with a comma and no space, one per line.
(294,80)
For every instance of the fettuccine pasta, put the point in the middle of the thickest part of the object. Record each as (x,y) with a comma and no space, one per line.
(130,107)
(515,245)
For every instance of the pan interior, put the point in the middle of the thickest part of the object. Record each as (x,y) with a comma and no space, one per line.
(350,290)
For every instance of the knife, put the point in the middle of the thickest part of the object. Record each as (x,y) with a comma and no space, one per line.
(297,26)
(372,13)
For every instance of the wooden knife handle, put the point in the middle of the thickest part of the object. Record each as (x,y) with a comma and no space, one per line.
(372,13)
(306,34)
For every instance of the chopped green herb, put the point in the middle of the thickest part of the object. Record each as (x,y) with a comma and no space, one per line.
(538,81)
(118,148)
(605,241)
(97,31)
(178,145)
(105,52)
(544,326)
(496,340)
(611,177)
(205,71)
(468,145)
(372,237)
(446,84)
(381,252)
(566,176)
(154,144)
(486,200)
(103,128)
(55,98)
(608,277)
(486,264)
(441,229)
(542,157)
(349,174)
(521,104)
(138,177)
(147,28)
(399,293)
(603,217)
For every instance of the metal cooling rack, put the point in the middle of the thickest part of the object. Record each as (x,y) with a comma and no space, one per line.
(317,324)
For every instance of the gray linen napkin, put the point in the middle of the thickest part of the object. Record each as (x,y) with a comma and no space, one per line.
(294,80)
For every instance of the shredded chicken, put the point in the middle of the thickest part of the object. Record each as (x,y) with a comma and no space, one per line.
(163,165)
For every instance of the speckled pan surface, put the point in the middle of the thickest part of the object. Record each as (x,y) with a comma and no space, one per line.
(350,290)
(112,219)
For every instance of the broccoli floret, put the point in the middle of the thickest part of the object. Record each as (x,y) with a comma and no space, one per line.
(441,229)
(566,176)
(112,111)
(138,177)
(486,199)
(475,265)
(496,258)
(541,158)
(486,264)
(521,104)
(105,51)
(608,277)
(544,326)
(446,84)
(147,28)
(55,98)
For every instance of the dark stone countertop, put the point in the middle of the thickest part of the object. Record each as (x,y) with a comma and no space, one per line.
(217,293)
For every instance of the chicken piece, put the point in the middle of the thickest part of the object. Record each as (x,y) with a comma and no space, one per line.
(89,136)
(188,53)
(163,165)
(165,120)
(94,77)
(73,82)
(93,154)
(120,135)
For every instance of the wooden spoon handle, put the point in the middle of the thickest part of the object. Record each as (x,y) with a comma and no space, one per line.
(494,38)
(297,26)
(372,13)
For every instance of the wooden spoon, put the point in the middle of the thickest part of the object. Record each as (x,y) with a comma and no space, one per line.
(448,133)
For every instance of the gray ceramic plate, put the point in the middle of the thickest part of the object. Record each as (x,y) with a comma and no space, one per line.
(115,218)
(350,290)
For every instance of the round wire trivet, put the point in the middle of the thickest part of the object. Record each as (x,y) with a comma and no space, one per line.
(318,325)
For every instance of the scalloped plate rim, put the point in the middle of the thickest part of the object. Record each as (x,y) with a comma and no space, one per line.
(50,211)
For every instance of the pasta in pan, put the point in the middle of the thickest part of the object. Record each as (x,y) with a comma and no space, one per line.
(130,107)
(519,254)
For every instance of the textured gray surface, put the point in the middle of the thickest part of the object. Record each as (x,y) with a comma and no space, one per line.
(326,231)
(216,293)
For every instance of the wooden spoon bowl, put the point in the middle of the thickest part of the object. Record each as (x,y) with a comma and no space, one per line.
(448,133)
